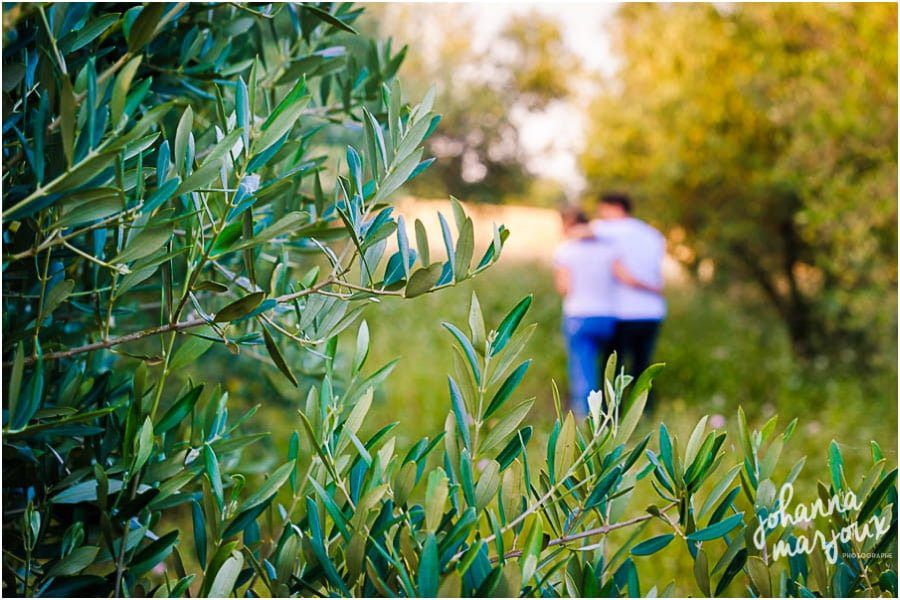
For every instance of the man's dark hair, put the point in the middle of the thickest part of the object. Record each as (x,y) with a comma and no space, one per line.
(574,215)
(619,199)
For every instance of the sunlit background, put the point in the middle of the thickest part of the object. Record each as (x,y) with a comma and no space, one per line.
(761,139)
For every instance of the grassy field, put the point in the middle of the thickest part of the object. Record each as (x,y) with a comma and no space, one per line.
(719,354)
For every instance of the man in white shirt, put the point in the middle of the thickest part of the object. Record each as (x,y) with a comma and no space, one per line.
(640,306)
(584,277)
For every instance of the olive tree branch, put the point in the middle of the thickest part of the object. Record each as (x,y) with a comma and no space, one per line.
(602,530)
(129,337)
(194,322)
(55,239)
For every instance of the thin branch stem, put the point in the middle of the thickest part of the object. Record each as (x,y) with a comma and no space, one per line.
(120,560)
(602,530)
(543,499)
(47,187)
(55,239)
(189,323)
(120,269)
(256,12)
(59,57)
(44,277)
(130,337)
(361,288)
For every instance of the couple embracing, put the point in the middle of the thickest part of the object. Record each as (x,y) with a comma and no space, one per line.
(609,272)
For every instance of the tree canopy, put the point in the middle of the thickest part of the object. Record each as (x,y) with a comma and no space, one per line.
(485,89)
(765,138)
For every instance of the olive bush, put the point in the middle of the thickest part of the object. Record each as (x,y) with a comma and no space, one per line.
(166,190)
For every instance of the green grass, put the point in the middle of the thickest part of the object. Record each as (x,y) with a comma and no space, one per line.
(720,352)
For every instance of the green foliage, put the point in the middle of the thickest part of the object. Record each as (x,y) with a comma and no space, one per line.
(764,137)
(162,199)
(719,354)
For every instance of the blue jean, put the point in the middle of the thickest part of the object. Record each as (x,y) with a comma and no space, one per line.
(587,340)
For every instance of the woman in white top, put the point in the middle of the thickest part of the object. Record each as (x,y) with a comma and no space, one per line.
(584,277)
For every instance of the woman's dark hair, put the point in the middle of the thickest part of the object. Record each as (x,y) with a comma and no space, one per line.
(574,215)
(619,199)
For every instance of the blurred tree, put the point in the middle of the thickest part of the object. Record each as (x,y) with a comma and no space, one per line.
(540,66)
(768,135)
(484,93)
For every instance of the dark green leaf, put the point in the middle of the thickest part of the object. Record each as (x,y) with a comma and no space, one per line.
(878,494)
(86,491)
(734,567)
(465,246)
(506,389)
(282,119)
(327,17)
(398,176)
(459,412)
(701,572)
(429,569)
(239,308)
(469,351)
(181,409)
(91,31)
(212,164)
(93,208)
(56,296)
(515,446)
(14,383)
(144,27)
(337,516)
(836,465)
(509,324)
(210,286)
(277,358)
(466,477)
(193,348)
(74,562)
(120,89)
(653,545)
(153,554)
(244,519)
(507,425)
(67,119)
(226,238)
(716,530)
(604,486)
(286,224)
(270,487)
(199,523)
(211,464)
(145,243)
(143,445)
(422,280)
